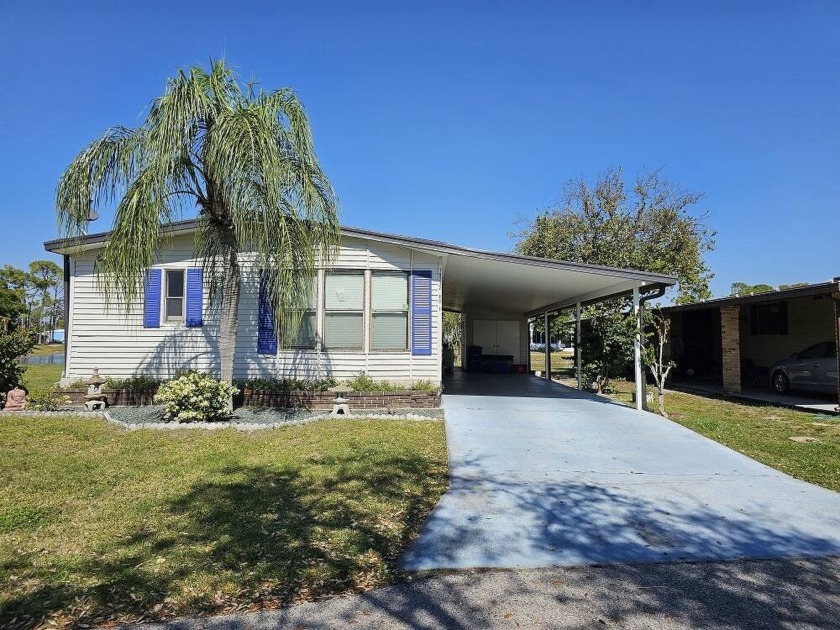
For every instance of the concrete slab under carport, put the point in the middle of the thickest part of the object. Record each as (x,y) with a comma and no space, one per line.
(545,475)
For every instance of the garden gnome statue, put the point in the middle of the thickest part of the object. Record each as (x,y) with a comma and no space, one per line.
(15,399)
(95,396)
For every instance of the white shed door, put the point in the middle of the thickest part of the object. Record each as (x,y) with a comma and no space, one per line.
(507,339)
(497,337)
(484,335)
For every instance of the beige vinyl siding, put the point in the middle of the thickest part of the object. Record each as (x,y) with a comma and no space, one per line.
(120,346)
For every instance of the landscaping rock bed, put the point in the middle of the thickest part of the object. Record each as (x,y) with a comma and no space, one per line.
(251,418)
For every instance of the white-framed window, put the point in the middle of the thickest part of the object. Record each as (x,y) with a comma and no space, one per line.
(344,308)
(174,296)
(389,311)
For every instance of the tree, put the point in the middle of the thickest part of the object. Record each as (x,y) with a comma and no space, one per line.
(606,343)
(651,225)
(13,305)
(795,285)
(45,278)
(742,288)
(654,355)
(245,159)
(652,228)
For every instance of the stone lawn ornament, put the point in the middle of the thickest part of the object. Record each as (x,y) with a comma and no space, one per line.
(96,398)
(16,399)
(340,406)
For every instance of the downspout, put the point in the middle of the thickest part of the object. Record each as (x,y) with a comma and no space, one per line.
(646,298)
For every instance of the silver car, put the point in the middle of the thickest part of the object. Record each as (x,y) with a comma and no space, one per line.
(813,369)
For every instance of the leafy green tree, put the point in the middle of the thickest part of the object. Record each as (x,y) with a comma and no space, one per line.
(245,159)
(45,278)
(13,307)
(452,328)
(742,288)
(650,225)
(795,285)
(606,344)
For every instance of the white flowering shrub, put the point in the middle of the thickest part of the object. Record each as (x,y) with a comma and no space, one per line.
(195,397)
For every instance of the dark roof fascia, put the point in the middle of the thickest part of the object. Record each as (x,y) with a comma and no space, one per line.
(824,288)
(438,247)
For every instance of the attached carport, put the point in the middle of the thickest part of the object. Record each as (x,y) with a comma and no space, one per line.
(489,287)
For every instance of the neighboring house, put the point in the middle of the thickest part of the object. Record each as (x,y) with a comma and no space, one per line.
(737,338)
(376,309)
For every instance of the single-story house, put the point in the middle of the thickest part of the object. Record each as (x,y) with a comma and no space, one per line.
(377,309)
(733,339)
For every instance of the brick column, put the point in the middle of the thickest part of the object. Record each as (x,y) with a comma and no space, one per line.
(730,339)
(836,297)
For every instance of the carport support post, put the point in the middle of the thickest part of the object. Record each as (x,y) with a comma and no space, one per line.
(637,350)
(578,360)
(547,348)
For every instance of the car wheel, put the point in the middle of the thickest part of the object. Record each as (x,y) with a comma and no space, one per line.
(781,383)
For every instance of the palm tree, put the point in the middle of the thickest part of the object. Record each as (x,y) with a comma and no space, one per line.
(244,158)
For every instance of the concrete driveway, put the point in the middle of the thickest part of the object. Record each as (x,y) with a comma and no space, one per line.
(544,475)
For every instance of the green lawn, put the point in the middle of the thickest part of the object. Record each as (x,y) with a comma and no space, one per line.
(50,348)
(762,432)
(99,524)
(562,363)
(42,377)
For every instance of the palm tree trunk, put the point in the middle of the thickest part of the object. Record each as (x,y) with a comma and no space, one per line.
(229,316)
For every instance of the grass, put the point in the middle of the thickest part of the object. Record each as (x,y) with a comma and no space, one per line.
(761,432)
(100,525)
(562,363)
(42,377)
(43,349)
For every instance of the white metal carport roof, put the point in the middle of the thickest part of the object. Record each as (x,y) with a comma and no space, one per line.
(524,284)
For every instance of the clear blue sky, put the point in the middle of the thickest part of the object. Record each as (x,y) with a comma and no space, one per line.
(451,120)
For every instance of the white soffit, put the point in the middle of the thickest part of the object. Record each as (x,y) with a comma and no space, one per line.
(521,287)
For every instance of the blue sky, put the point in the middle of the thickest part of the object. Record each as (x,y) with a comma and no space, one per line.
(453,120)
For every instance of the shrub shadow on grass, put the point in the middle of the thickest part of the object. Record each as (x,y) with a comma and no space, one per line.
(246,537)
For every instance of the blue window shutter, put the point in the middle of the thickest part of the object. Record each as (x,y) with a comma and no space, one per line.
(195,297)
(266,337)
(151,299)
(421,312)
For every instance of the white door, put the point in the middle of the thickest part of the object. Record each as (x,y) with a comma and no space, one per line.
(484,335)
(507,339)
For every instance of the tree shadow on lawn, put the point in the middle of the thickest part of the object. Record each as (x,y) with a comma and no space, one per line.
(245,537)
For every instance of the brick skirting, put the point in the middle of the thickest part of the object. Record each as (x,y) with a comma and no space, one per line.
(411,399)
(357,400)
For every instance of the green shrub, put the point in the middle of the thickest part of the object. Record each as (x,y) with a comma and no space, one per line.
(77,384)
(285,385)
(47,400)
(364,383)
(425,386)
(195,397)
(137,383)
(12,347)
